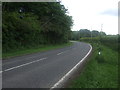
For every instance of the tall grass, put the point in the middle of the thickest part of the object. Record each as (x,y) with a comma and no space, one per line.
(111,41)
(40,48)
(102,70)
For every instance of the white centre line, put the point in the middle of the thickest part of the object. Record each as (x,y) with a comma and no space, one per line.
(62,52)
(1,71)
(23,65)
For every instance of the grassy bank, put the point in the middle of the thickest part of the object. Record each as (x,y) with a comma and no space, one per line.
(101,71)
(23,51)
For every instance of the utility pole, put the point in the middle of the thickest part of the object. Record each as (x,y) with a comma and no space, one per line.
(91,34)
(101,29)
(78,35)
(100,38)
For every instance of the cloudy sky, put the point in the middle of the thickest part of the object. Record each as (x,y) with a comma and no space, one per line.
(90,14)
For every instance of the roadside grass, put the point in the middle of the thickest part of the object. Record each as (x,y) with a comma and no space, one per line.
(30,50)
(100,72)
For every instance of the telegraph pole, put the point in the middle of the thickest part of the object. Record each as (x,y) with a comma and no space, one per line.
(91,34)
(101,29)
(101,32)
(100,38)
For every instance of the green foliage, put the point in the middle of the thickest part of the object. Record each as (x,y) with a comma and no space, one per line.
(30,50)
(18,32)
(100,72)
(74,35)
(89,39)
(37,24)
(95,33)
(110,41)
(83,33)
(100,59)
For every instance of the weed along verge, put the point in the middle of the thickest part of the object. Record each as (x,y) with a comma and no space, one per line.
(102,69)
(31,50)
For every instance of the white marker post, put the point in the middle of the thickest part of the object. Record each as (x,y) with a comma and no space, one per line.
(99,53)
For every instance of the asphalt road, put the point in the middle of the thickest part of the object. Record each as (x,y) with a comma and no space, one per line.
(42,70)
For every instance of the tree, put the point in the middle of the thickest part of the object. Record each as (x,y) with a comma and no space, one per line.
(102,33)
(85,33)
(95,33)
(42,23)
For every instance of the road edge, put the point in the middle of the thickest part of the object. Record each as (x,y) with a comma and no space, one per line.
(59,84)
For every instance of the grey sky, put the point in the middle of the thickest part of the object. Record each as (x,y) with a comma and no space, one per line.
(90,14)
(111,12)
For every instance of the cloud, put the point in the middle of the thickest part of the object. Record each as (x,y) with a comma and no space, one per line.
(110,12)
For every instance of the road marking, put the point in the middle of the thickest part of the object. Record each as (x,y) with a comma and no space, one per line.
(67,74)
(23,65)
(62,52)
(1,71)
(17,61)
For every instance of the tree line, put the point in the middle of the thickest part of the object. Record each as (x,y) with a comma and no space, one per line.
(76,35)
(26,24)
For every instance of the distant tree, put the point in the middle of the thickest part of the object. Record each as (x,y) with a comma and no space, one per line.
(102,33)
(84,33)
(95,33)
(75,35)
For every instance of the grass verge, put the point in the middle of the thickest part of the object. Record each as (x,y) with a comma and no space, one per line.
(100,72)
(41,48)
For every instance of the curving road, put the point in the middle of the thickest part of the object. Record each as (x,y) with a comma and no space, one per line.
(44,69)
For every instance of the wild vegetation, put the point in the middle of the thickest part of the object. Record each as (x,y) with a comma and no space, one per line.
(29,27)
(30,24)
(100,72)
(83,33)
(102,69)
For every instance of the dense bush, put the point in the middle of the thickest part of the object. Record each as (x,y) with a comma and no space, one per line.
(112,41)
(38,23)
(85,33)
(20,32)
(89,39)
